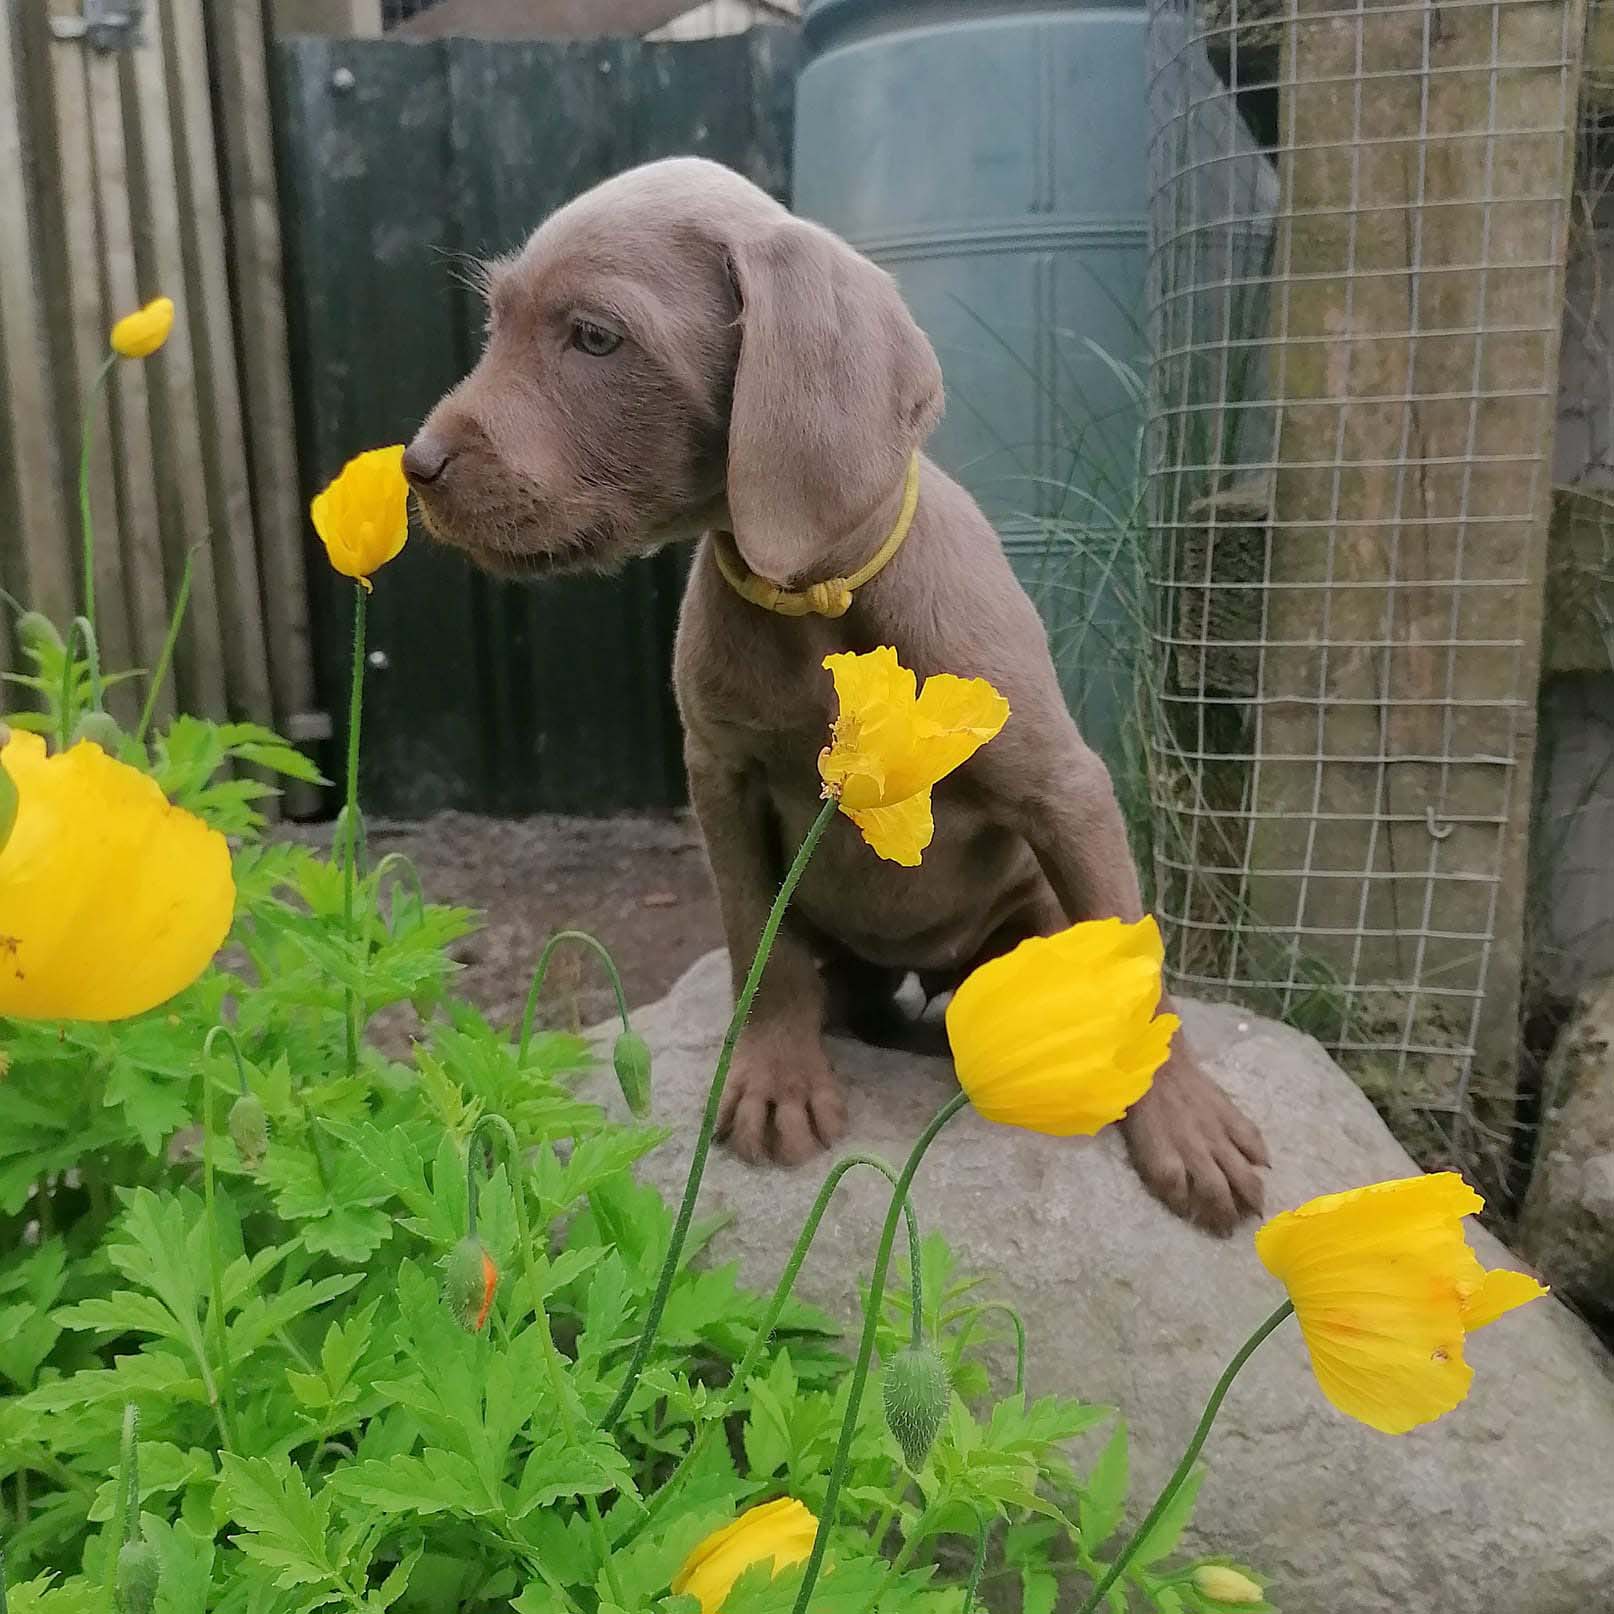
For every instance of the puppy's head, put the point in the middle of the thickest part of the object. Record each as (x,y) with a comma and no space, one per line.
(672,352)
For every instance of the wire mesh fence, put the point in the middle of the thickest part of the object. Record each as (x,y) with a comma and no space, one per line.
(1358,215)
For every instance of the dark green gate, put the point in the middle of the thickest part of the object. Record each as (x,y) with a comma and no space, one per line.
(396,161)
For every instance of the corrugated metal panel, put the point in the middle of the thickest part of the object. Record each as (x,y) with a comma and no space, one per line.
(397,159)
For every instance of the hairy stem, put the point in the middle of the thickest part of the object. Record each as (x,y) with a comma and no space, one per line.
(85,517)
(170,639)
(865,1351)
(1184,1468)
(787,1281)
(714,1101)
(560,936)
(355,713)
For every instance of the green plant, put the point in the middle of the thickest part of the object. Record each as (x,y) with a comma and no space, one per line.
(232,1379)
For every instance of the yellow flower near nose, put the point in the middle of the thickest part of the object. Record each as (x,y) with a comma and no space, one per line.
(1061,1035)
(140,334)
(892,742)
(111,899)
(1386,1290)
(781,1532)
(362,517)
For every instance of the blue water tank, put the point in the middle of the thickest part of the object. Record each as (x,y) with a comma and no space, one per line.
(991,155)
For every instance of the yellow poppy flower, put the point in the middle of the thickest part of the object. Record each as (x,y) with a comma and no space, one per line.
(362,518)
(1386,1288)
(140,334)
(111,899)
(891,744)
(1060,1035)
(782,1531)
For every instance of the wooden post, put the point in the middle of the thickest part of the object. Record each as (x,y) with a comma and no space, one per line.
(345,19)
(1419,282)
(32,495)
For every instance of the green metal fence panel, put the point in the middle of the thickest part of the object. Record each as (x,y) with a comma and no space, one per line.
(398,162)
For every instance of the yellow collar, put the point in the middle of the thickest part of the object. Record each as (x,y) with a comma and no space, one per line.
(832,597)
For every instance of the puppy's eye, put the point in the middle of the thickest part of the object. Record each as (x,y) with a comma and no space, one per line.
(594,340)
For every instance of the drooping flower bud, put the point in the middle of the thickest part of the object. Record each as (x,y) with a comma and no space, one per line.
(1224,1585)
(137,1578)
(631,1056)
(915,1389)
(249,1127)
(101,729)
(36,632)
(469,1282)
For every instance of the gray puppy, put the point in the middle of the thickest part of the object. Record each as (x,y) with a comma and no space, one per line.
(674,356)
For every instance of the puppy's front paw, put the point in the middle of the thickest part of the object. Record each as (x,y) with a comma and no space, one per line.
(782,1103)
(1194,1149)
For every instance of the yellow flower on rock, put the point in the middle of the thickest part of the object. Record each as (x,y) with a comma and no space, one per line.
(1061,1035)
(362,518)
(1224,1585)
(140,334)
(1386,1289)
(111,899)
(892,742)
(782,1531)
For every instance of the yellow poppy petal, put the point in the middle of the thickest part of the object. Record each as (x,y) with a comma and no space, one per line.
(111,899)
(900,833)
(1499,1292)
(891,743)
(1061,1035)
(1385,1287)
(140,334)
(362,516)
(780,1532)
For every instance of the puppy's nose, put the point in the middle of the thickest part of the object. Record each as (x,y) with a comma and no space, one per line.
(426,459)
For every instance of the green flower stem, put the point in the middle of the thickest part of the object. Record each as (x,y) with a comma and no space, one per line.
(128,1483)
(170,639)
(226,1394)
(973,1584)
(355,713)
(3,1604)
(86,520)
(560,936)
(787,1281)
(967,1332)
(78,628)
(714,1101)
(1186,1466)
(501,1128)
(865,1351)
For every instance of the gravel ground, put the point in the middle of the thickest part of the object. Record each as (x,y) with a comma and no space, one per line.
(639,884)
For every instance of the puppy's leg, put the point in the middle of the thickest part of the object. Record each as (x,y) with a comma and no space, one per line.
(862,999)
(1191,1146)
(782,1101)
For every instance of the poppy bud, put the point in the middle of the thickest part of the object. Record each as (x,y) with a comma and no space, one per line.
(36,632)
(100,729)
(469,1283)
(631,1056)
(249,1127)
(1223,1585)
(137,1577)
(916,1389)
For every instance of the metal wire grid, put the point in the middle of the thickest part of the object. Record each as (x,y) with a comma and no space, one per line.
(1356,269)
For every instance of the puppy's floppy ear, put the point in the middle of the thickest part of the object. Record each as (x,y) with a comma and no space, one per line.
(836,386)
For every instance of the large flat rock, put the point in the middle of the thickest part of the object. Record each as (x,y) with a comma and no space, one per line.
(1506,1506)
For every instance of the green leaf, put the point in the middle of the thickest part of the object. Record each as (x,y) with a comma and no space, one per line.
(284,1527)
(438,1482)
(1166,1531)
(1039,1592)
(1103,1499)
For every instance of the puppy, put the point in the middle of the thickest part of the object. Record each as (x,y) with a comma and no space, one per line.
(674,356)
